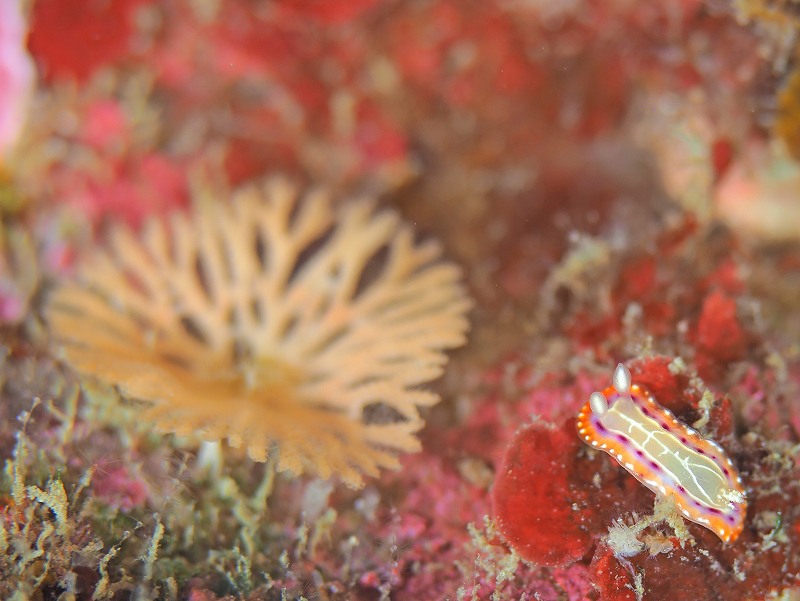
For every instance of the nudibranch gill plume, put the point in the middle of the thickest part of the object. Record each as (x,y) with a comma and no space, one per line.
(665,455)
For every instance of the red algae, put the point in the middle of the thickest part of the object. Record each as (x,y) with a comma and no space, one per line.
(612,580)
(534,501)
(326,13)
(62,29)
(667,385)
(720,336)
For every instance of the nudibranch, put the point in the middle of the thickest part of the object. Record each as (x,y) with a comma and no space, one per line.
(665,455)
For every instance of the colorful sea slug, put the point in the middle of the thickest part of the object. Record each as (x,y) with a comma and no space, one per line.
(665,455)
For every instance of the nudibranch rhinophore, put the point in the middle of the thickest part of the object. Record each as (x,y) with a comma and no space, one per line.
(665,455)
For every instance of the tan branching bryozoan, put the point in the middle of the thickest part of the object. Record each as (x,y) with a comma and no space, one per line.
(273,322)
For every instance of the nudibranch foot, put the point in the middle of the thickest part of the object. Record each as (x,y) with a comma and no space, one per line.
(667,456)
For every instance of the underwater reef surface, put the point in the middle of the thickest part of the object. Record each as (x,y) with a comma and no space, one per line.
(209,392)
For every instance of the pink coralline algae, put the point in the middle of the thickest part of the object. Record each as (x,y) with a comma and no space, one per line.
(106,170)
(16,74)
(132,189)
(118,488)
(105,126)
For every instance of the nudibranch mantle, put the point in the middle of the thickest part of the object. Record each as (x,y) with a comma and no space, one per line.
(665,455)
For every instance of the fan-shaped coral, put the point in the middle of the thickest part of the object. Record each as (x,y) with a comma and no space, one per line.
(274,322)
